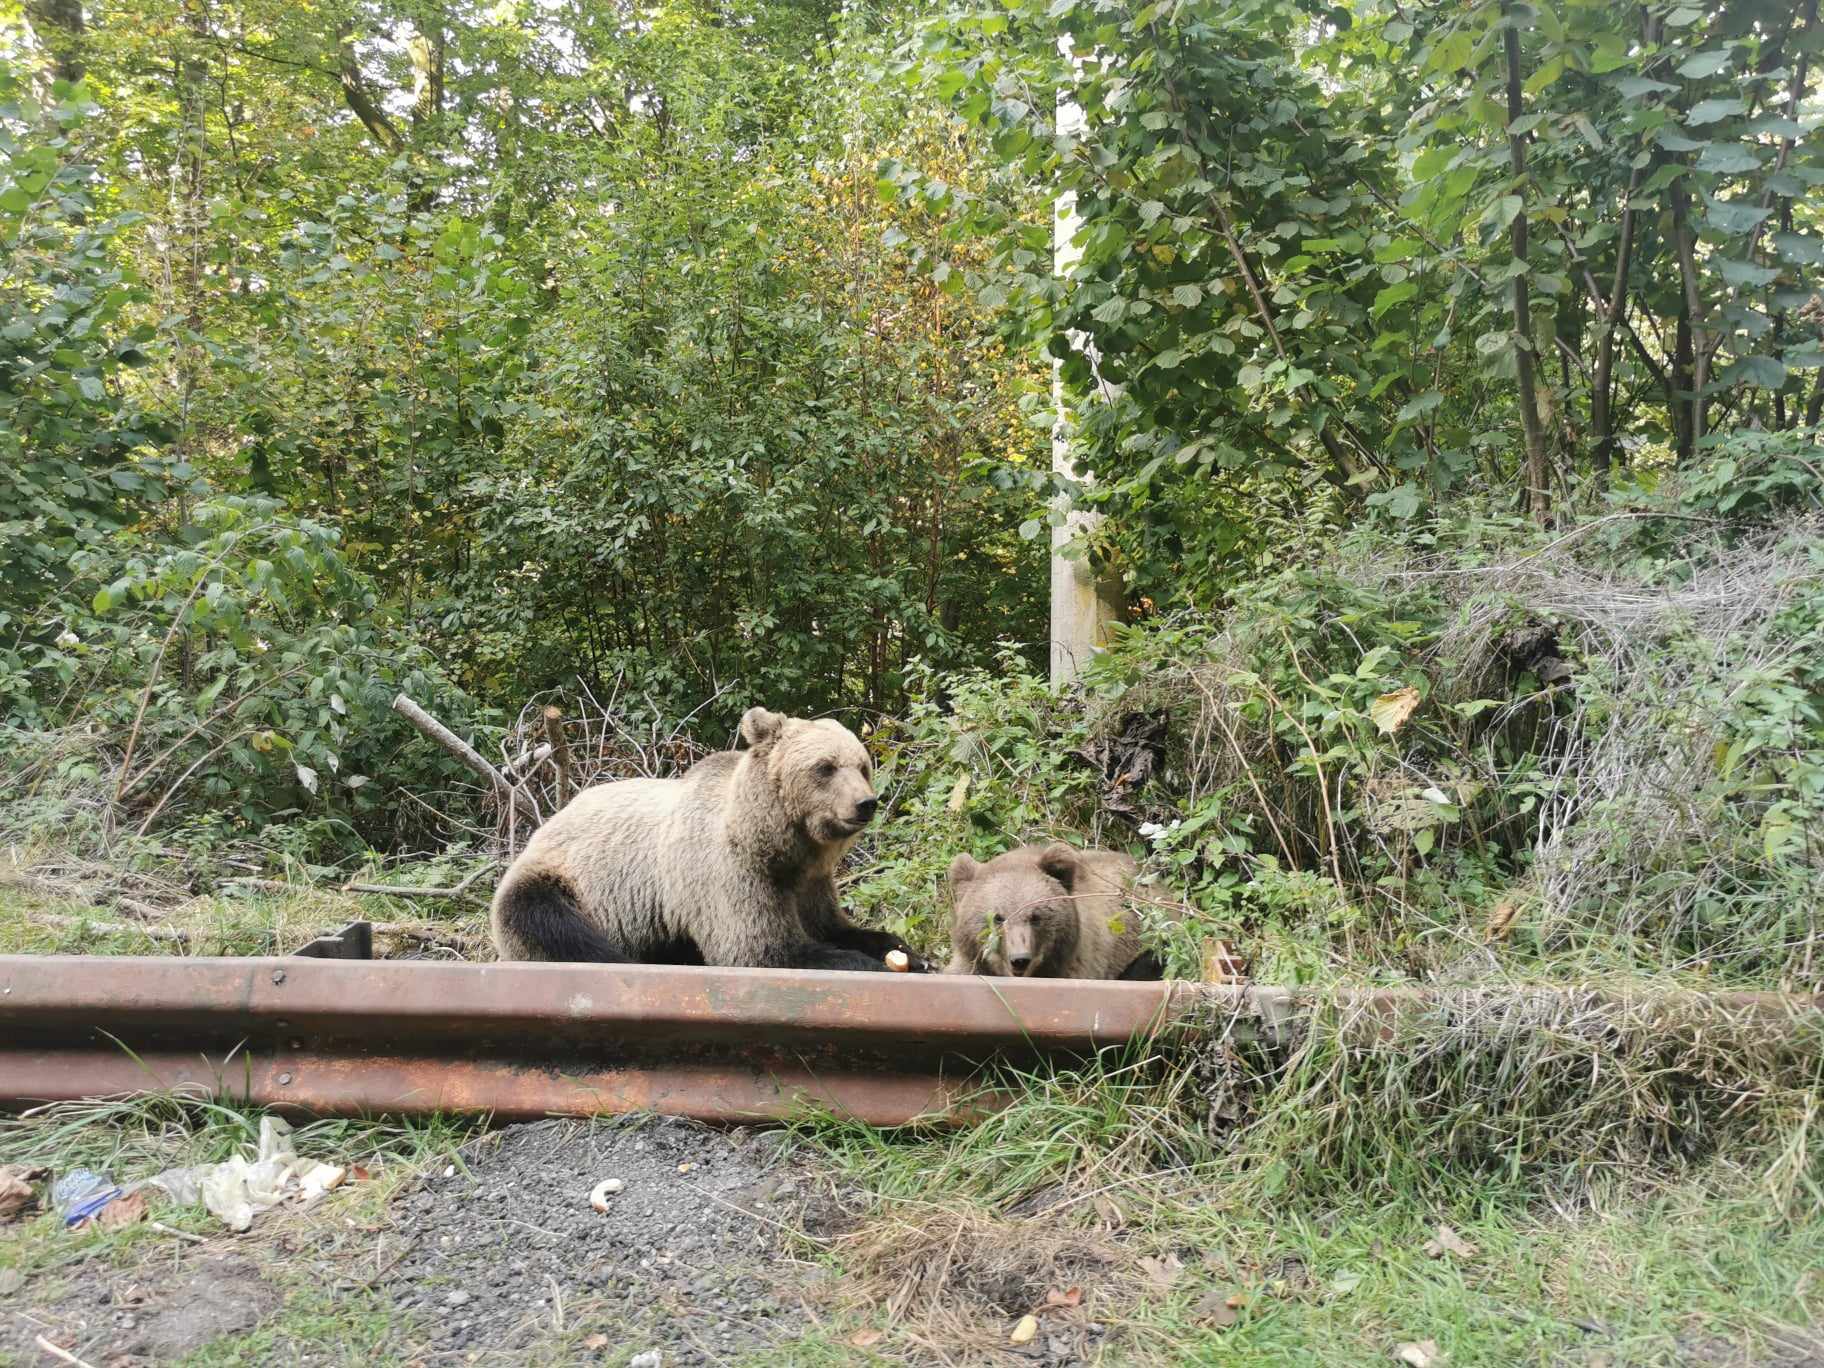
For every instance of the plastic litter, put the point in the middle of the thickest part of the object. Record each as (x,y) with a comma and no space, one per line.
(235,1191)
(238,1190)
(241,1188)
(80,1193)
(184,1186)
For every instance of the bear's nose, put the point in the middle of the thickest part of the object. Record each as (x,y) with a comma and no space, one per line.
(865,808)
(1020,963)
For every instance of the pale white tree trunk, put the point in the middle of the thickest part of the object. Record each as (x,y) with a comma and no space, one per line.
(1082,606)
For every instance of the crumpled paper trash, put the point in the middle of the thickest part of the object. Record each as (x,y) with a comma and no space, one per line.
(239,1189)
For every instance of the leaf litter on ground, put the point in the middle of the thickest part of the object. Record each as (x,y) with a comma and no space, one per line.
(1447,1241)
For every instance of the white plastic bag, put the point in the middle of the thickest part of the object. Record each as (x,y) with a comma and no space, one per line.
(240,1189)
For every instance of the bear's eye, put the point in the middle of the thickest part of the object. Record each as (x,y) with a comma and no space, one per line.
(998,919)
(826,770)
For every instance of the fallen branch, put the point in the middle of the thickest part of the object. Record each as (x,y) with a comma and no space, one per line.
(78,890)
(164,1229)
(180,936)
(272,885)
(61,1355)
(401,891)
(466,753)
(108,928)
(425,935)
(526,761)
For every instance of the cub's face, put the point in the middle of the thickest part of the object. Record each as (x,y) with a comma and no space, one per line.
(1018,908)
(824,776)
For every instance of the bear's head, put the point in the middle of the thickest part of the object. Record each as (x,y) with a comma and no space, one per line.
(1019,908)
(823,775)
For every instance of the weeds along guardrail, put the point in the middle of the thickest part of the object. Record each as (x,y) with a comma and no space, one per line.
(352,1036)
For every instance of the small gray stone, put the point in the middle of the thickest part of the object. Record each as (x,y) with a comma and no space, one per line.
(458,1298)
(652,1358)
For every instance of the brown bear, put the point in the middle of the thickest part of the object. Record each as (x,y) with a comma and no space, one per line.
(731,863)
(1047,912)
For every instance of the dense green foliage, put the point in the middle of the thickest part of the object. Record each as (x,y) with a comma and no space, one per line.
(478,351)
(696,356)
(1384,254)
(1594,755)
(1452,377)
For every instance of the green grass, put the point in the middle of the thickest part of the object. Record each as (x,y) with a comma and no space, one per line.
(36,922)
(1634,1183)
(1620,1279)
(342,1326)
(1623,1278)
(1627,1255)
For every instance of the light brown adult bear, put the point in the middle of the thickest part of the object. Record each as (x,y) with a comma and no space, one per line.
(731,863)
(1046,912)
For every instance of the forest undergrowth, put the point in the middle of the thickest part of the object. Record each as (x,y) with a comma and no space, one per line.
(1562,779)
(1452,380)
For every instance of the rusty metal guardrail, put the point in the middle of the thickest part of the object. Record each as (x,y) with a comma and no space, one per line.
(336,1035)
(346,1037)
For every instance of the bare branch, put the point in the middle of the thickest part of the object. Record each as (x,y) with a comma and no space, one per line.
(466,753)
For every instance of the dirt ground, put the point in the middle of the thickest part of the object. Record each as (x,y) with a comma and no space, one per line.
(496,1256)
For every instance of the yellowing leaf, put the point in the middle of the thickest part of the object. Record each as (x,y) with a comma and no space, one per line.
(1501,919)
(1390,711)
(1163,1271)
(16,1195)
(1447,1241)
(1024,1331)
(1218,1308)
(959,795)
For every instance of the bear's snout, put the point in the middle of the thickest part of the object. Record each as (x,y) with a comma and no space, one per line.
(1019,943)
(864,810)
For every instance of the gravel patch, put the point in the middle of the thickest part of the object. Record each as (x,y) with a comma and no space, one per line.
(507,1250)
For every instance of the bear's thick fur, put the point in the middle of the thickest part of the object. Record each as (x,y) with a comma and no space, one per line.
(1046,912)
(732,863)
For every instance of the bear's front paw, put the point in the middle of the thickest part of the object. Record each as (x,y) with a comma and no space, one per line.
(902,958)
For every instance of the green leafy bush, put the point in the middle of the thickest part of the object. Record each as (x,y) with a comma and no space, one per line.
(248,672)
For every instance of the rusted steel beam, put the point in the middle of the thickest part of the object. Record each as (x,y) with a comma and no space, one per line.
(352,1037)
(345,1037)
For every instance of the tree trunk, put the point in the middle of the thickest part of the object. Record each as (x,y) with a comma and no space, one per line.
(192,360)
(1602,390)
(355,93)
(1538,471)
(59,25)
(1083,605)
(1685,442)
(1693,337)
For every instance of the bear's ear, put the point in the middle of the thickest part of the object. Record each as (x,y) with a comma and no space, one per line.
(758,726)
(962,869)
(1059,861)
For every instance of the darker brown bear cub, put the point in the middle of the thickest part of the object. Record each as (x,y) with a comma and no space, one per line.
(733,863)
(1046,912)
